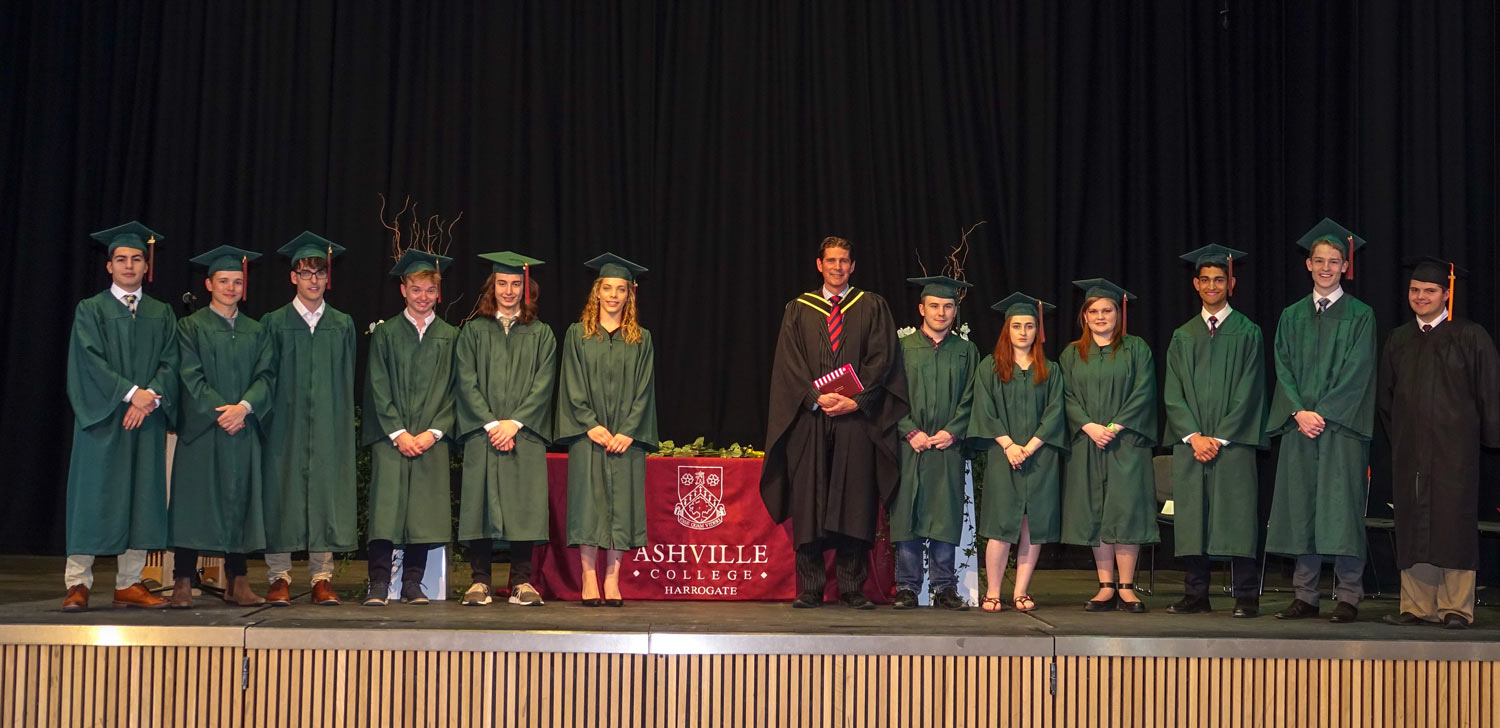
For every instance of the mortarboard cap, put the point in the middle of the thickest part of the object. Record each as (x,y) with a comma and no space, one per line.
(1020,304)
(1215,254)
(225,257)
(610,265)
(1431,269)
(512,263)
(413,261)
(1104,288)
(310,245)
(939,286)
(1337,235)
(132,235)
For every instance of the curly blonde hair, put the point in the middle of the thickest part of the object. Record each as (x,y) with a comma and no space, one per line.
(628,321)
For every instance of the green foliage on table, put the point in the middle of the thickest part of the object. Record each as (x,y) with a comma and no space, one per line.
(701,449)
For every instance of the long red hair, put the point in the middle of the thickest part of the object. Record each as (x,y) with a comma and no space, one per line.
(1088,336)
(1005,358)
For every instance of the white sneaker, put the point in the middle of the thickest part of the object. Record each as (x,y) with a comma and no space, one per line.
(525,595)
(478,595)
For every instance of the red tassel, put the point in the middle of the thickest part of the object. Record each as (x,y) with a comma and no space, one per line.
(1041,328)
(330,268)
(245,275)
(526,283)
(1124,314)
(1231,276)
(1349,273)
(151,259)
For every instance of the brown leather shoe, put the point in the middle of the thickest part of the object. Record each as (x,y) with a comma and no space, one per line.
(239,593)
(280,594)
(77,599)
(138,596)
(323,594)
(182,594)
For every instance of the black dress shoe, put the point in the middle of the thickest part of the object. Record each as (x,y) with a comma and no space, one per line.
(1246,608)
(949,599)
(614,602)
(808,601)
(1131,607)
(1298,610)
(855,600)
(1404,619)
(1190,605)
(1454,621)
(1105,605)
(1344,613)
(905,599)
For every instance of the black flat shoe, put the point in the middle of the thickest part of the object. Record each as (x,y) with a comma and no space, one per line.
(595,602)
(1190,605)
(1246,608)
(856,600)
(1454,621)
(1298,610)
(807,601)
(614,602)
(1132,607)
(1344,613)
(1106,605)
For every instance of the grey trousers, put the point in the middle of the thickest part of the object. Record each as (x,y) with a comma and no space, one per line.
(1348,572)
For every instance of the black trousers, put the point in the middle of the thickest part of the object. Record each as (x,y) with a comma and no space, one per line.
(1244,576)
(413,568)
(850,564)
(185,564)
(482,554)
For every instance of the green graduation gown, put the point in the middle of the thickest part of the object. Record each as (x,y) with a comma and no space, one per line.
(1021,410)
(409,387)
(1216,386)
(217,502)
(1109,495)
(505,377)
(309,463)
(930,499)
(1440,399)
(117,484)
(1324,363)
(608,382)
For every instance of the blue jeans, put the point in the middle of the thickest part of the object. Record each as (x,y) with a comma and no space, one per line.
(940,563)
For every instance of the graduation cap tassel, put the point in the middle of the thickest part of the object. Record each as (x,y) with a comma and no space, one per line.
(1349,272)
(1451,276)
(151,259)
(1124,314)
(245,276)
(1041,326)
(526,283)
(330,268)
(1231,276)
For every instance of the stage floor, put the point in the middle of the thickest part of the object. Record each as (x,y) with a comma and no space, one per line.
(30,597)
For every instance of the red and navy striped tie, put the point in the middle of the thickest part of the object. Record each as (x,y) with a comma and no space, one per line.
(835,323)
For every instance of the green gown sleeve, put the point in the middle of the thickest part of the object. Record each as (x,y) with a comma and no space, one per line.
(1053,429)
(380,401)
(639,422)
(575,416)
(95,389)
(533,409)
(958,424)
(199,398)
(1181,421)
(262,388)
(1287,399)
(1138,412)
(1244,421)
(1350,402)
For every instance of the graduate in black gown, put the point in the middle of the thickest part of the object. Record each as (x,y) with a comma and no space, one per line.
(831,460)
(1439,399)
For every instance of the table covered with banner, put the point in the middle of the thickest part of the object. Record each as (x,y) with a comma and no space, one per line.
(708,537)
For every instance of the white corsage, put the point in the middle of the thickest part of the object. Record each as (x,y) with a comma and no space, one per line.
(371,330)
(905,332)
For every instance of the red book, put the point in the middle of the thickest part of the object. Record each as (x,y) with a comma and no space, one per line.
(840,381)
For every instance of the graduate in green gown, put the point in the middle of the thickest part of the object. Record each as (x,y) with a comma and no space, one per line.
(506,367)
(929,504)
(1324,407)
(1109,490)
(227,374)
(1020,418)
(1215,392)
(408,408)
(309,464)
(122,383)
(606,416)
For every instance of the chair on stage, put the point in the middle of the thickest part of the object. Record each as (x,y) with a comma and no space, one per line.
(1161,465)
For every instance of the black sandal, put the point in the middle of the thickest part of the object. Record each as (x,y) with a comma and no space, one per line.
(1107,605)
(1136,607)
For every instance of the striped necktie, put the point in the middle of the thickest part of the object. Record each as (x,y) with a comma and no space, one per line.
(1323,304)
(835,323)
(1213,326)
(130,301)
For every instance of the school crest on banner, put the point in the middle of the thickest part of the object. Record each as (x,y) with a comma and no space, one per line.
(700,496)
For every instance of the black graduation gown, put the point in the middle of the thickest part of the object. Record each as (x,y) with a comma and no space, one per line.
(1439,399)
(829,474)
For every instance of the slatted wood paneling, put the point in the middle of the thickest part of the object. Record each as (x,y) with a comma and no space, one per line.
(180,686)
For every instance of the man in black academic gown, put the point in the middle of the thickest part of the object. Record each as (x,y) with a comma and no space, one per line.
(831,460)
(1439,398)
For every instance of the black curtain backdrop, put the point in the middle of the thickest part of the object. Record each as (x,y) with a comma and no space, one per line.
(717,143)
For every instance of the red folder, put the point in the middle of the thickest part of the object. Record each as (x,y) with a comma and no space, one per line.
(840,381)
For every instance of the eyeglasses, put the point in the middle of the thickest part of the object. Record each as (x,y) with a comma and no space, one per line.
(308,275)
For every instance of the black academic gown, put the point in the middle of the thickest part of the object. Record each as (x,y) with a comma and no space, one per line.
(1439,399)
(830,474)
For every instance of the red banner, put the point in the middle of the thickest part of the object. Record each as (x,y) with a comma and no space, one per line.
(708,537)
